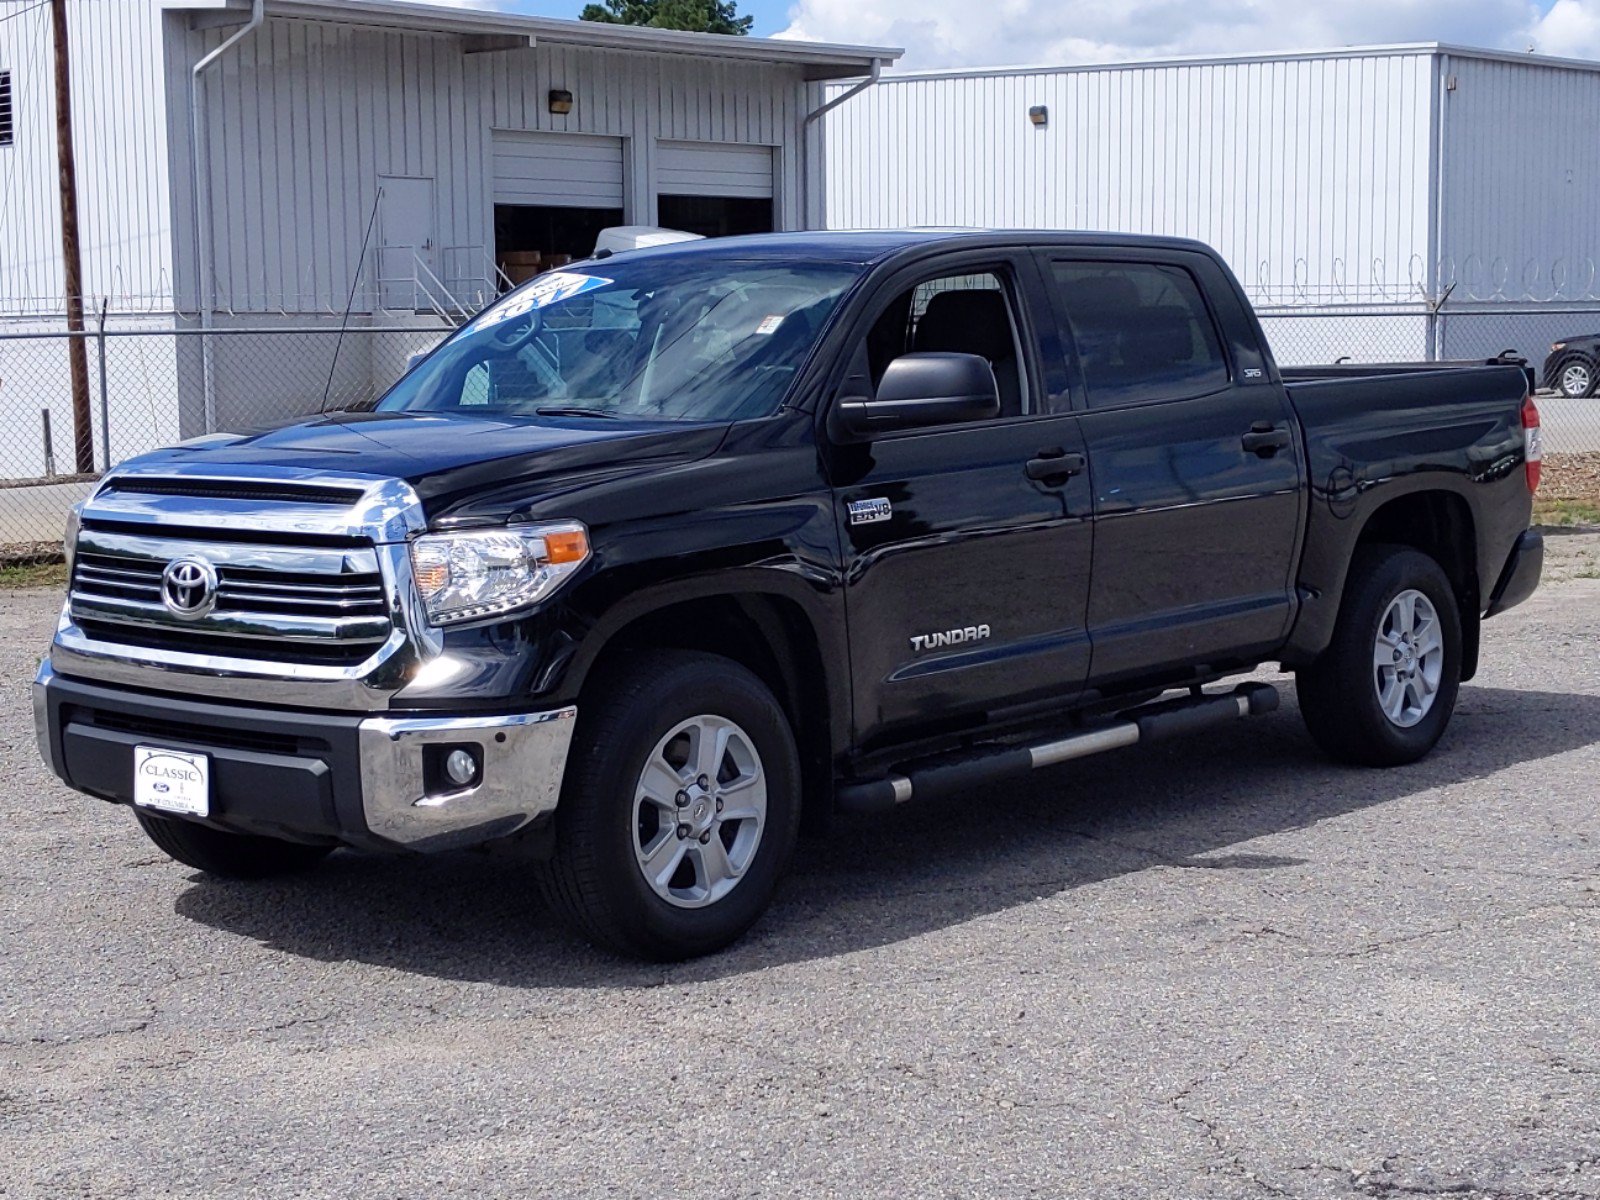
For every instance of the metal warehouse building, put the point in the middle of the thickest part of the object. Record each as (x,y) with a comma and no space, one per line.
(1393,202)
(466,142)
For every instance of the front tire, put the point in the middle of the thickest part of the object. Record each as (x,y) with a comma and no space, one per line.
(680,807)
(1383,691)
(229,855)
(1577,379)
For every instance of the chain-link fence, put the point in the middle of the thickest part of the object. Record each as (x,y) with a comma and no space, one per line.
(145,386)
(149,382)
(1308,336)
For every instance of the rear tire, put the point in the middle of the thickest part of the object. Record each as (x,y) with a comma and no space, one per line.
(1383,691)
(664,852)
(230,855)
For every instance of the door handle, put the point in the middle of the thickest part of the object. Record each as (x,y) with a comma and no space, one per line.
(1056,465)
(1265,439)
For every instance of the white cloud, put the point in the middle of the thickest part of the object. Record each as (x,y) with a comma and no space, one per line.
(1571,28)
(953,33)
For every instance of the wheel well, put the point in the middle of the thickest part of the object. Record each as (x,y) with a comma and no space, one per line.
(1437,523)
(769,636)
(1440,525)
(1585,357)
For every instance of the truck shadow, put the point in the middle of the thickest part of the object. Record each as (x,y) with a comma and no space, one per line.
(872,882)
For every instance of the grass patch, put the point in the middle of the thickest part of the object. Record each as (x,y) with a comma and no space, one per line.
(1566,512)
(33,575)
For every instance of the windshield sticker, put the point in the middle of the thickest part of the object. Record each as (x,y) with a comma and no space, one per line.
(770,324)
(544,290)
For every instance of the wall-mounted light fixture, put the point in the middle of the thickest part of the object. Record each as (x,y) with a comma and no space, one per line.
(1039,114)
(560,102)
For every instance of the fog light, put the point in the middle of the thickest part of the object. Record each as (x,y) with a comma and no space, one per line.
(461,767)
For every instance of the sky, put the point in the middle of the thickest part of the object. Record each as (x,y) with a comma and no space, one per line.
(961,33)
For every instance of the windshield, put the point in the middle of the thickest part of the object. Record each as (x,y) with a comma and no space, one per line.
(665,339)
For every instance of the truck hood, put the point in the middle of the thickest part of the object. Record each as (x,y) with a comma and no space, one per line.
(445,456)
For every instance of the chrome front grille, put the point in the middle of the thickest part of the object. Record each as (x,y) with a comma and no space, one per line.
(114,577)
(325,604)
(304,579)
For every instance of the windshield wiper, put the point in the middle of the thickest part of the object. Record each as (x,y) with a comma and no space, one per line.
(573,410)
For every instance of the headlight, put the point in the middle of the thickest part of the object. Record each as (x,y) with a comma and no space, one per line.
(1558,346)
(485,572)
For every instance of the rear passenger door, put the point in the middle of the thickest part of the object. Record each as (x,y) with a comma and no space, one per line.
(966,546)
(1194,458)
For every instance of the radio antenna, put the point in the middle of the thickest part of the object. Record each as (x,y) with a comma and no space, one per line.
(355,282)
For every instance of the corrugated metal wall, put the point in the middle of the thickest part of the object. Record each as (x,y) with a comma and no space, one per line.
(117,115)
(305,116)
(1521,198)
(1312,176)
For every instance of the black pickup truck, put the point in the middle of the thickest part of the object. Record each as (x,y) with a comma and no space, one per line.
(668,550)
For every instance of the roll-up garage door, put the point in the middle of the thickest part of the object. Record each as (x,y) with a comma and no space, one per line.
(562,169)
(713,169)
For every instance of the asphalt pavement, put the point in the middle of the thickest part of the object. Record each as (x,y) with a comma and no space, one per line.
(1220,968)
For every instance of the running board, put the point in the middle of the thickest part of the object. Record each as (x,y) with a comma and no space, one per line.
(1151,723)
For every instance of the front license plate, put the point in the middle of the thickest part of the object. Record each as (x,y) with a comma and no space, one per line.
(174,781)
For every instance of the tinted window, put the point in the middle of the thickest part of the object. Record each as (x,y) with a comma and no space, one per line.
(1142,331)
(964,314)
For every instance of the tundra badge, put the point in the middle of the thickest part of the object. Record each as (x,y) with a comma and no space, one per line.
(869,512)
(948,637)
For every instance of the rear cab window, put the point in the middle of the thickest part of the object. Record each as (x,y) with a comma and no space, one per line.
(1142,331)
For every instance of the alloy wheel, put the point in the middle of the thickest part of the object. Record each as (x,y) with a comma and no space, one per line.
(1408,658)
(699,811)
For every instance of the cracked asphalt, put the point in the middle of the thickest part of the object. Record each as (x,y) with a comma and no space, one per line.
(1222,968)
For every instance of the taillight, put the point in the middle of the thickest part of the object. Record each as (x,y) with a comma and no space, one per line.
(1532,441)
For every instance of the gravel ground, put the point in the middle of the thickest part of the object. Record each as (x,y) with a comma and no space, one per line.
(1219,968)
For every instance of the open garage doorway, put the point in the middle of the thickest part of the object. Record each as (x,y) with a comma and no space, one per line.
(529,238)
(553,194)
(715,216)
(714,189)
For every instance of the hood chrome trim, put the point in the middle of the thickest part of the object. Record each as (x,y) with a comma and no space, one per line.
(386,509)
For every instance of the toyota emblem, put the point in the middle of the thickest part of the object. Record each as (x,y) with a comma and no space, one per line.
(189,587)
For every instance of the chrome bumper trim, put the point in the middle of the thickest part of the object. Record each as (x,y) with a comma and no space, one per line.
(41,718)
(524,759)
(523,756)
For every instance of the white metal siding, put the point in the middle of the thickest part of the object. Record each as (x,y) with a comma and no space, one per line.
(573,170)
(305,116)
(118,116)
(712,169)
(1520,204)
(1311,176)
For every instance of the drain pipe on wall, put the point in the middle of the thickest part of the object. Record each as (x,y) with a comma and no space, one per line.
(201,191)
(816,115)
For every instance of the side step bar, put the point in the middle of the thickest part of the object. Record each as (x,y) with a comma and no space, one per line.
(1152,723)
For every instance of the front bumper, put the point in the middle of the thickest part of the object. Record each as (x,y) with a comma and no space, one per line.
(362,781)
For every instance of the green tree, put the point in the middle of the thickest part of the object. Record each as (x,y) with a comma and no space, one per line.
(698,16)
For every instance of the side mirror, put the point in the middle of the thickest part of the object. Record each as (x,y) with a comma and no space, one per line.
(929,388)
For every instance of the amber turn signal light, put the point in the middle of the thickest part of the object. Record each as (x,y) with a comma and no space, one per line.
(568,546)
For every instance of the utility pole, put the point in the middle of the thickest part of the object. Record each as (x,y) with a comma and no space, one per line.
(71,259)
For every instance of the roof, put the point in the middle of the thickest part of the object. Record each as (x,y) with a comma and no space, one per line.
(818,60)
(1271,56)
(864,246)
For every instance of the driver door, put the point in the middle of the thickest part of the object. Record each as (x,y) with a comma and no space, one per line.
(966,546)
